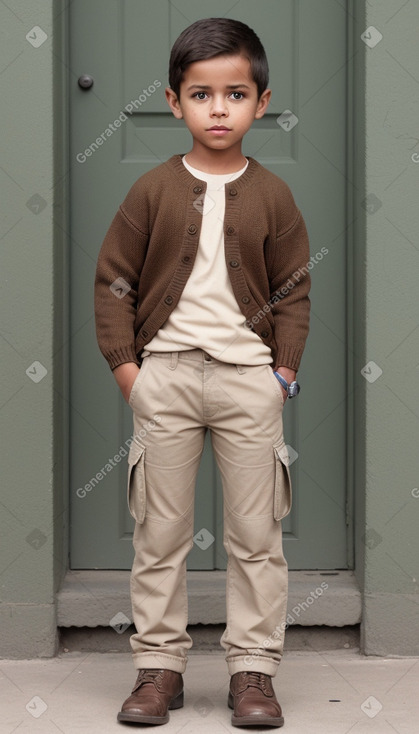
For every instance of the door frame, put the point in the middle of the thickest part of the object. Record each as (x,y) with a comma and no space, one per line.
(354,249)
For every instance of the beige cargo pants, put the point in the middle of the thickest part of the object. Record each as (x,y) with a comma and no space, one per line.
(176,398)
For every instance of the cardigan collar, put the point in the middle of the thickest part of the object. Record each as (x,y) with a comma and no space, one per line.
(248,176)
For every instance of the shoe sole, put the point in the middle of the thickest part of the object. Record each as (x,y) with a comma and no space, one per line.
(255,720)
(176,703)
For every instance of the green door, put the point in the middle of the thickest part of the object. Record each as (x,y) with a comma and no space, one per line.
(120,128)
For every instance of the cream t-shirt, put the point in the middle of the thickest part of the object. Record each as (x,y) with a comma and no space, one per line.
(207,315)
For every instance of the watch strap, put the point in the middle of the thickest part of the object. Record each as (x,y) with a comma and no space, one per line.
(282,380)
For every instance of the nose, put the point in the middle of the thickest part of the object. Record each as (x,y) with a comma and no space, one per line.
(219,105)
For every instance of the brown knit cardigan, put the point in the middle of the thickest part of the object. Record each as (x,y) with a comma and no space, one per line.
(149,251)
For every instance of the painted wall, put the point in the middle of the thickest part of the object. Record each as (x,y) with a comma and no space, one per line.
(391,539)
(34,259)
(32,332)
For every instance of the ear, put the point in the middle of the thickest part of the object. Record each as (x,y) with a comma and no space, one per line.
(173,103)
(263,102)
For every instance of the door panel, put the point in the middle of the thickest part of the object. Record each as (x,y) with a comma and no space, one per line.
(128,52)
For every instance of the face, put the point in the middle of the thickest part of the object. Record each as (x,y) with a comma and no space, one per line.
(218,92)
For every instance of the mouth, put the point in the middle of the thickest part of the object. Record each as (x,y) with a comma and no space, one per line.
(219,131)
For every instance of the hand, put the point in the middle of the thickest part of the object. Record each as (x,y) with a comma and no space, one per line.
(125,375)
(289,375)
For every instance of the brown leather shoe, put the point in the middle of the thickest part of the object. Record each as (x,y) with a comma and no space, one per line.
(156,691)
(253,699)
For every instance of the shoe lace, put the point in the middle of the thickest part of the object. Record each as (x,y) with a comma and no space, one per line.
(252,676)
(255,678)
(149,675)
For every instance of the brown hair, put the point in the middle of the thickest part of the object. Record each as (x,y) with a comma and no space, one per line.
(210,37)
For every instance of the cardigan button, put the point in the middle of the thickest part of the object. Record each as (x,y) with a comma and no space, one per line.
(192,229)
(264,334)
(197,189)
(234,264)
(144,333)
(168,300)
(186,259)
(245,299)
(233,192)
(230,230)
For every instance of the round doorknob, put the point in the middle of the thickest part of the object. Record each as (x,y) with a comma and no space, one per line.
(85,81)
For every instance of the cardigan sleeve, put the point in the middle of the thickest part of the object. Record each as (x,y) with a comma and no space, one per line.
(116,289)
(290,285)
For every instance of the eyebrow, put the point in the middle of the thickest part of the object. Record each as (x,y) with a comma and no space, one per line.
(207,86)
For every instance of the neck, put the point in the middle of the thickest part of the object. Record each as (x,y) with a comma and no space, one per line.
(216,162)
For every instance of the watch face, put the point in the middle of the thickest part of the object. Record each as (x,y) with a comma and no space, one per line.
(294,389)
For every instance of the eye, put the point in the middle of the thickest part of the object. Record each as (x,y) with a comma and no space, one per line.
(201,96)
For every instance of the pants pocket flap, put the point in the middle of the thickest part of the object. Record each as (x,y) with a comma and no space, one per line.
(283,487)
(136,490)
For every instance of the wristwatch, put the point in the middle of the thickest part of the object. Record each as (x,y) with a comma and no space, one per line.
(292,389)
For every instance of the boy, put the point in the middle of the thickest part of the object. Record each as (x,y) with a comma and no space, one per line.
(202,312)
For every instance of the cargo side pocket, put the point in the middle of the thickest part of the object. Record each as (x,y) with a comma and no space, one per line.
(136,494)
(283,488)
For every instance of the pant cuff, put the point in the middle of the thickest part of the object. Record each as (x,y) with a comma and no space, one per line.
(159,660)
(248,663)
